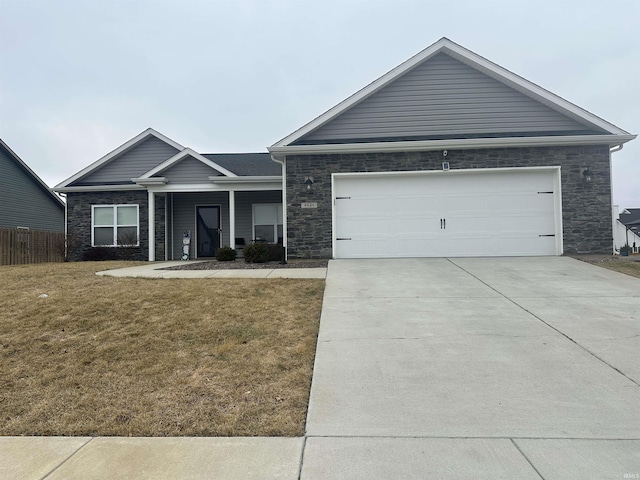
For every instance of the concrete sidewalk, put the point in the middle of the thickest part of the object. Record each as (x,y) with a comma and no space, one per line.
(155,270)
(498,368)
(180,458)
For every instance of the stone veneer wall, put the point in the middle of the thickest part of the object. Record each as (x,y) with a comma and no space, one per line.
(79,222)
(586,207)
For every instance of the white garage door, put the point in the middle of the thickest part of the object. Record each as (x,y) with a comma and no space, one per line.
(455,213)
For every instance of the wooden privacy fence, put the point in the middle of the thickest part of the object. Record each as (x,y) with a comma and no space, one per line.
(19,246)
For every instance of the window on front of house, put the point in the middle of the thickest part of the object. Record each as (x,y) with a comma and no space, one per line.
(267,223)
(115,225)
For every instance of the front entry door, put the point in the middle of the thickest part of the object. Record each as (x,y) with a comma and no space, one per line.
(208,230)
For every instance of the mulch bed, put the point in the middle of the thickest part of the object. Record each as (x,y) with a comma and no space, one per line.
(240,264)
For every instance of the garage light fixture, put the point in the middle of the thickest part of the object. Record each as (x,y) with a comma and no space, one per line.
(308,182)
(586,174)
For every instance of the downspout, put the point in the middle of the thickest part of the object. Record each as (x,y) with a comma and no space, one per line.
(617,148)
(285,240)
(66,241)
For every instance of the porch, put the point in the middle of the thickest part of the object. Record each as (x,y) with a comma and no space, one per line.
(213,219)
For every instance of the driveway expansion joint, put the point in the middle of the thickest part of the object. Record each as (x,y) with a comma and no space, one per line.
(73,454)
(526,458)
(548,324)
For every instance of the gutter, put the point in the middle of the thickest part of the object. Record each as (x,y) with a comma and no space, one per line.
(465,143)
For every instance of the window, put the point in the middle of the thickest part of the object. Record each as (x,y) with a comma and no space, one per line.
(267,223)
(114,225)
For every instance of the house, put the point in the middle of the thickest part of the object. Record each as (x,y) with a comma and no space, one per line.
(148,192)
(630,217)
(448,154)
(626,229)
(25,200)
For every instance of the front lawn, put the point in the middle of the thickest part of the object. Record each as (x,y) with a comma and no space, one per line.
(138,357)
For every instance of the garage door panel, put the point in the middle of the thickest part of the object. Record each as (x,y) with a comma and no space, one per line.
(486,214)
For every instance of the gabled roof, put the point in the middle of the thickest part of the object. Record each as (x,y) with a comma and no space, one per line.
(475,61)
(30,172)
(149,132)
(630,216)
(180,156)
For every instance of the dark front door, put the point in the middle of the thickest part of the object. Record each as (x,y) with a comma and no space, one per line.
(208,230)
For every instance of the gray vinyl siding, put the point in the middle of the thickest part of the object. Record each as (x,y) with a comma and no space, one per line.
(183,208)
(443,97)
(184,217)
(244,210)
(23,200)
(135,162)
(189,171)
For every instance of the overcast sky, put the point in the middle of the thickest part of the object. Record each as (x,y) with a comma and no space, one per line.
(80,77)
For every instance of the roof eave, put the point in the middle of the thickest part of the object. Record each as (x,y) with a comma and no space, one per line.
(99,188)
(470,143)
(247,179)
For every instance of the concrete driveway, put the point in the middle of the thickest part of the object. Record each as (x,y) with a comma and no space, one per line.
(494,367)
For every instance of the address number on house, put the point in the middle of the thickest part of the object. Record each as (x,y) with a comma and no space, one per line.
(309,205)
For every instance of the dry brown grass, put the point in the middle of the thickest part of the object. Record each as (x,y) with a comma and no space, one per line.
(630,268)
(629,265)
(122,356)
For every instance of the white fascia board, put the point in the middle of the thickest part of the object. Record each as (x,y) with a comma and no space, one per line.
(467,143)
(99,188)
(473,60)
(209,187)
(115,153)
(247,179)
(26,167)
(253,187)
(178,157)
(150,181)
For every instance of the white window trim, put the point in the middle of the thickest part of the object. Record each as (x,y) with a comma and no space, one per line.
(275,226)
(114,225)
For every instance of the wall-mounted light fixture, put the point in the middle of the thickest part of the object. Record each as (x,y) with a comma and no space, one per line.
(308,182)
(586,174)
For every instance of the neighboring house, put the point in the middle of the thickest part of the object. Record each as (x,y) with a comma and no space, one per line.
(148,192)
(630,216)
(626,229)
(25,200)
(448,154)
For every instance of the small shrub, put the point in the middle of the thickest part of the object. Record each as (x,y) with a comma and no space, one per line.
(226,254)
(99,254)
(256,253)
(274,253)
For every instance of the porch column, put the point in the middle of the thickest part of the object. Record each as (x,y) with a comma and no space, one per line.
(152,226)
(232,218)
